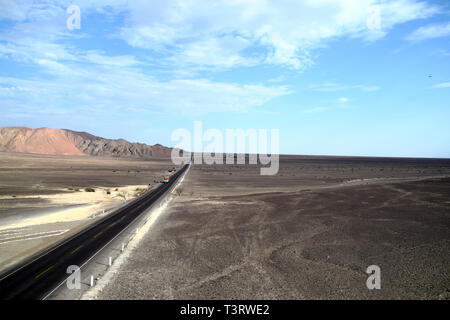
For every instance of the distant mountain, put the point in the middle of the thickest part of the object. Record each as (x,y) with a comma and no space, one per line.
(68,142)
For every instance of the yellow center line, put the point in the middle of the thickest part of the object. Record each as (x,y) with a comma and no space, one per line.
(46,270)
(98,234)
(112,224)
(77,249)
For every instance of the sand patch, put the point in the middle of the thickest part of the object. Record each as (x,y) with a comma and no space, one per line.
(88,205)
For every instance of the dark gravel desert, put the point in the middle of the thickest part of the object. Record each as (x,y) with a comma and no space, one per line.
(309,232)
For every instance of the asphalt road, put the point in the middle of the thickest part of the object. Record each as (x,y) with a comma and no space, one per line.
(34,279)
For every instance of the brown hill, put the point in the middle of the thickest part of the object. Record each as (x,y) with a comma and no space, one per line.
(67,142)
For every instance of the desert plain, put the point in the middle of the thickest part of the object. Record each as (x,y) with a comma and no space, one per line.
(46,198)
(309,232)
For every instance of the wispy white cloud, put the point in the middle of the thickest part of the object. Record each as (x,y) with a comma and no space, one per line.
(72,78)
(332,86)
(214,52)
(316,110)
(219,34)
(280,78)
(442,85)
(112,87)
(343,100)
(14,10)
(101,58)
(430,32)
(284,31)
(186,35)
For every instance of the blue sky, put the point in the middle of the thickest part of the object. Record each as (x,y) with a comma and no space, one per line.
(321,72)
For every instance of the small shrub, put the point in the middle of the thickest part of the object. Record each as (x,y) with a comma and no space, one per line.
(89,190)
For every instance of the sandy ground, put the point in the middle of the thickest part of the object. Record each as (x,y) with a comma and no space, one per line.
(44,199)
(74,206)
(310,232)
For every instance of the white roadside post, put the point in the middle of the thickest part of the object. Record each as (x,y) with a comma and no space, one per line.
(92,280)
(110,261)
